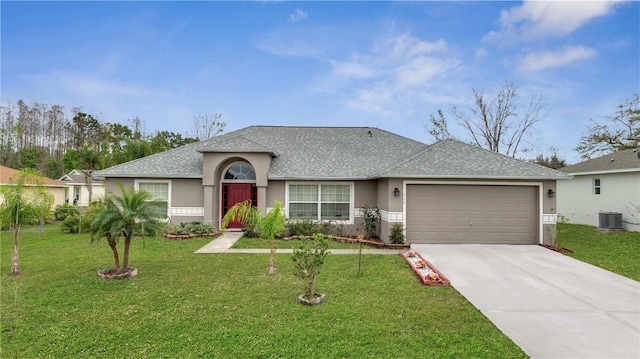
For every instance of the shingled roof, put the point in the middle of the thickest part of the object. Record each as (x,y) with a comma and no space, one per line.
(336,153)
(9,176)
(454,159)
(621,161)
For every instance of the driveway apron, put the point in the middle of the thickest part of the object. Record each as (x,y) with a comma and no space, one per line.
(549,304)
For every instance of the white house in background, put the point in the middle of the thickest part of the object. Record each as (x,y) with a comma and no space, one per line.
(77,190)
(610,183)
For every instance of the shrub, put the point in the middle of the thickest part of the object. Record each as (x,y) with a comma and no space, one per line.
(196,227)
(370,220)
(309,260)
(71,224)
(397,234)
(301,227)
(251,231)
(64,211)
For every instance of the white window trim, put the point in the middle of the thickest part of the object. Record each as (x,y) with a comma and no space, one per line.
(136,184)
(597,189)
(334,183)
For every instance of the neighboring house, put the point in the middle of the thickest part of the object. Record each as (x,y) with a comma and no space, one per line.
(610,183)
(9,175)
(449,192)
(77,191)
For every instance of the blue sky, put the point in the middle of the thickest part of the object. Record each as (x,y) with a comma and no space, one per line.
(383,64)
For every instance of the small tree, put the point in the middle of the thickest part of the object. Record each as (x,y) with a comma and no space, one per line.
(26,201)
(370,221)
(91,159)
(269,226)
(130,214)
(308,262)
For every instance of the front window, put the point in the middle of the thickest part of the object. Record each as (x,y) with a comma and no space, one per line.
(596,186)
(328,202)
(240,171)
(160,193)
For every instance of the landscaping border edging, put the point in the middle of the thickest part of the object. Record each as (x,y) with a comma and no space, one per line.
(371,243)
(412,257)
(190,236)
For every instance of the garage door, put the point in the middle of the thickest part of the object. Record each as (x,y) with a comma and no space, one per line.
(472,214)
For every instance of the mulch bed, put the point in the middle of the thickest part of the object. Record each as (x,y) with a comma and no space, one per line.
(376,243)
(427,273)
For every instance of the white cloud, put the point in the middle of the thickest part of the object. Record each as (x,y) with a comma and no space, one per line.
(408,46)
(90,86)
(537,61)
(480,53)
(352,69)
(298,15)
(541,19)
(393,74)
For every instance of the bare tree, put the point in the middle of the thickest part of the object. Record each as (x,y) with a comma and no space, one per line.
(620,131)
(206,126)
(500,123)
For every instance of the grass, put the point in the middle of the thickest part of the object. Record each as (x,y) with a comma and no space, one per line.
(246,242)
(617,252)
(183,305)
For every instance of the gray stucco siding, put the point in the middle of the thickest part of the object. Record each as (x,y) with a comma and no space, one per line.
(187,193)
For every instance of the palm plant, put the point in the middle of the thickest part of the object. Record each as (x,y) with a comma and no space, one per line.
(26,201)
(268,227)
(127,215)
(90,158)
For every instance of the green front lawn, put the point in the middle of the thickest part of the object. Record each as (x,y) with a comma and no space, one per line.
(617,252)
(183,305)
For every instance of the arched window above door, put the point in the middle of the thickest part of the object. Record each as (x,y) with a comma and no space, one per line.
(240,171)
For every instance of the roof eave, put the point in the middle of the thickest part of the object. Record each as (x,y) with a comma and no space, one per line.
(272,153)
(142,175)
(601,172)
(527,178)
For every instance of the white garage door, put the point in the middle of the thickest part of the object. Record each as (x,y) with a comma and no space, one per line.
(472,214)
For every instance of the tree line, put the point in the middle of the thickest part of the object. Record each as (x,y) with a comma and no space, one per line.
(46,138)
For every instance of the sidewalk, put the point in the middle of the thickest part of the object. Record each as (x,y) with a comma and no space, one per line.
(224,243)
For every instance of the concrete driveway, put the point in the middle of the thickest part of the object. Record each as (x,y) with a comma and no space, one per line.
(550,305)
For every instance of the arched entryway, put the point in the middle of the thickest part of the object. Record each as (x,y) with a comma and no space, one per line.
(238,184)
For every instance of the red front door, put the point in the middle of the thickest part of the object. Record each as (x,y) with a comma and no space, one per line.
(233,193)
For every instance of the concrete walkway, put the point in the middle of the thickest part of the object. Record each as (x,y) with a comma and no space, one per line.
(549,304)
(224,243)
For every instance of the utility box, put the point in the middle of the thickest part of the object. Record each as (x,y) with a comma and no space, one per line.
(610,220)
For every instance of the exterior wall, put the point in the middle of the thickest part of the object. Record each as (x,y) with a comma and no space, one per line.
(275,192)
(97,191)
(111,184)
(213,167)
(58,195)
(187,200)
(391,210)
(619,192)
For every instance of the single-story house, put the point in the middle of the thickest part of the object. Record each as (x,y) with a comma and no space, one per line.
(77,191)
(448,192)
(607,184)
(56,188)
